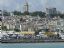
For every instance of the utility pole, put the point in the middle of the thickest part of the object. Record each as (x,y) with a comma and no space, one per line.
(48,15)
(46,20)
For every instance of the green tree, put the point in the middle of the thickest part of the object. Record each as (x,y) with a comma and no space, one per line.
(40,13)
(17,13)
(17,30)
(6,13)
(26,13)
(4,28)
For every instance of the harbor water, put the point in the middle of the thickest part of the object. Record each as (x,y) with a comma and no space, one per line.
(32,45)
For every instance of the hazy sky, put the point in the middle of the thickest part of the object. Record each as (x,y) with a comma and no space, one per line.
(34,5)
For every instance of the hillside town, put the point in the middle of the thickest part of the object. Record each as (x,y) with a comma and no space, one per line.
(27,28)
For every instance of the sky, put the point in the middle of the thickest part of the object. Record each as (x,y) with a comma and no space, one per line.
(34,5)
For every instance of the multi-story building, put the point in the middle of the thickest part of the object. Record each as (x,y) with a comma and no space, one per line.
(51,11)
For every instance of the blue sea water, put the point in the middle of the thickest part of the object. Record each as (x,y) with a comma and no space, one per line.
(33,45)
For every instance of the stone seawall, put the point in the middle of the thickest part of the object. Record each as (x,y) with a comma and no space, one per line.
(30,41)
